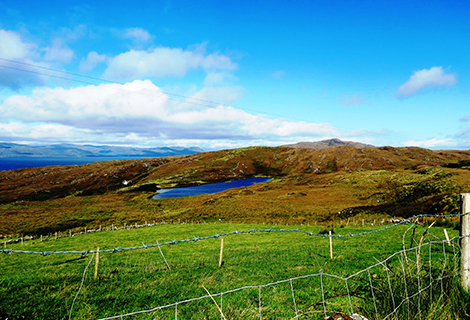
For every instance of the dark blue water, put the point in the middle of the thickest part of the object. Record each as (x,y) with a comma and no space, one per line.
(207,188)
(12,163)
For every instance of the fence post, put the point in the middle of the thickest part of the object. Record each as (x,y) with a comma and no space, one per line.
(465,242)
(221,251)
(97,262)
(331,245)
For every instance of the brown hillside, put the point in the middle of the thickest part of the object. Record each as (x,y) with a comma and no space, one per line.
(44,183)
(309,185)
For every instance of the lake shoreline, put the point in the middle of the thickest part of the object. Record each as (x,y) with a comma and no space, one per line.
(210,188)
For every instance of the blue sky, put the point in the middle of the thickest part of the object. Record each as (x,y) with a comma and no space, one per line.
(219,75)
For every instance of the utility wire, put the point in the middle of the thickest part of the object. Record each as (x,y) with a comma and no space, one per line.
(86,77)
(188,100)
(194,239)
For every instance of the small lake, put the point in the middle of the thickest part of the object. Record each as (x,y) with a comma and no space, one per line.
(210,188)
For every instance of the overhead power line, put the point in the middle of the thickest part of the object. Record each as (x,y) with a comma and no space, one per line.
(189,100)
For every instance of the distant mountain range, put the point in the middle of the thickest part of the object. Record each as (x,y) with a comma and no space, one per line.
(72,150)
(330,143)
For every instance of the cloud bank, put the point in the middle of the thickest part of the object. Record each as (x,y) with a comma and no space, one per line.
(431,143)
(434,77)
(139,113)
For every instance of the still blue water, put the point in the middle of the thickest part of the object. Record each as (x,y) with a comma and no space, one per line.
(207,188)
(12,163)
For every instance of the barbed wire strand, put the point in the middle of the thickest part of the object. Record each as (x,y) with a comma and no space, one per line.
(194,239)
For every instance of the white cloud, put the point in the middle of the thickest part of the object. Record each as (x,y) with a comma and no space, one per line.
(91,61)
(353,100)
(137,34)
(12,47)
(434,77)
(16,71)
(164,62)
(82,105)
(43,132)
(140,113)
(431,143)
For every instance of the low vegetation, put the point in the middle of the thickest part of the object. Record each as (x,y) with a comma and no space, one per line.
(44,287)
(343,190)
(326,185)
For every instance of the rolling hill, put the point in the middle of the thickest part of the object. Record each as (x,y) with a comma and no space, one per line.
(309,184)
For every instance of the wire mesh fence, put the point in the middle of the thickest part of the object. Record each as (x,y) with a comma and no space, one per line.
(410,283)
(406,285)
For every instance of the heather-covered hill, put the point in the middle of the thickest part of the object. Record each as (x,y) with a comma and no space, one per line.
(148,174)
(308,185)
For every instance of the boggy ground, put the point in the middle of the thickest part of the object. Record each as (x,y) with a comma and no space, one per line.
(325,186)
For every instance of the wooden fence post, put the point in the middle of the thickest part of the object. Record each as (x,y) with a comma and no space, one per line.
(221,251)
(331,245)
(465,242)
(97,261)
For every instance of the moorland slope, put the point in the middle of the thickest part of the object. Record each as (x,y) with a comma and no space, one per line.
(309,184)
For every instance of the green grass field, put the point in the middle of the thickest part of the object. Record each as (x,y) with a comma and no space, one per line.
(44,287)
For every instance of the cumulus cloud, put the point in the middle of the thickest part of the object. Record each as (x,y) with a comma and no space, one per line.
(354,99)
(165,62)
(12,47)
(16,54)
(91,61)
(86,106)
(136,112)
(434,77)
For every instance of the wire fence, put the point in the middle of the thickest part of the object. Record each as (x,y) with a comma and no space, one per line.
(405,285)
(395,288)
(194,239)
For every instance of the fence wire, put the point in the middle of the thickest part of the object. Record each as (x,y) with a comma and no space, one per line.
(404,283)
(194,239)
(417,291)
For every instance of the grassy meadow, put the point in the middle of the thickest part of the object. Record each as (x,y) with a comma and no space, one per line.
(44,287)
